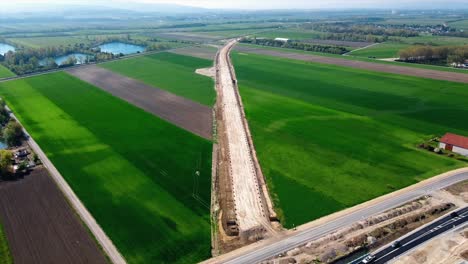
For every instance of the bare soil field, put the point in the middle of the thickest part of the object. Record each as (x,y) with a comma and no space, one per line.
(180,111)
(424,73)
(40,225)
(203,52)
(353,44)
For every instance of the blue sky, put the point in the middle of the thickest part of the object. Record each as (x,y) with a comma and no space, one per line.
(269,4)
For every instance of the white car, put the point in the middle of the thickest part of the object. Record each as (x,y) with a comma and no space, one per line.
(368,259)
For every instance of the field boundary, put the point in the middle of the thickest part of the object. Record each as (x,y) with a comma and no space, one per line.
(104,241)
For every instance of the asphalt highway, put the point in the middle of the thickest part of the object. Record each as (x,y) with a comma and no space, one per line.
(420,236)
(298,238)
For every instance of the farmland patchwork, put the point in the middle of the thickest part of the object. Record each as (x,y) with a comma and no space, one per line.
(147,182)
(330,137)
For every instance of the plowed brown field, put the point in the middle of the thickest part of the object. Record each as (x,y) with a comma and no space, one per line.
(40,225)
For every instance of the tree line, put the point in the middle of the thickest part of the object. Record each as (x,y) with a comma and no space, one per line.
(297,45)
(365,29)
(28,60)
(435,55)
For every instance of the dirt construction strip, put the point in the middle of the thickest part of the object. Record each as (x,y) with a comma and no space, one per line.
(249,207)
(424,73)
(182,112)
(40,225)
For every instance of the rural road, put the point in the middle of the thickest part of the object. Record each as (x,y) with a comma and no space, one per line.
(104,241)
(267,249)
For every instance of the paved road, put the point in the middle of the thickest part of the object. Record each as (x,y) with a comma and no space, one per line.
(104,241)
(422,235)
(298,238)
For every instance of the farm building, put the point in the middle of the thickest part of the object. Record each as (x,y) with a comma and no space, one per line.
(454,143)
(282,39)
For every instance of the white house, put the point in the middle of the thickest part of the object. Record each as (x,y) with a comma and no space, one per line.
(454,143)
(282,39)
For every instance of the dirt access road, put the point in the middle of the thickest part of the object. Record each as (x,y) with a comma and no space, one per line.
(182,112)
(40,225)
(251,213)
(395,69)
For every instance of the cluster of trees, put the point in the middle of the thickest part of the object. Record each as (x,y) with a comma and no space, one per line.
(5,164)
(13,134)
(11,131)
(361,29)
(297,45)
(29,60)
(354,37)
(4,115)
(435,55)
(157,47)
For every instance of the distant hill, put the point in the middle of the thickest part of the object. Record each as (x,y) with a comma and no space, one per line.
(100,8)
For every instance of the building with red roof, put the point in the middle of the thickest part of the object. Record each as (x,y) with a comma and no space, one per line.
(454,143)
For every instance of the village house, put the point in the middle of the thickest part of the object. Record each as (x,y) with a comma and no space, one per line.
(455,143)
(282,39)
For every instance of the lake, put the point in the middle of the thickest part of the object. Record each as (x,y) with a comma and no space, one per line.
(80,59)
(120,47)
(4,48)
(3,145)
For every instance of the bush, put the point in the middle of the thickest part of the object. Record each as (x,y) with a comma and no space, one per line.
(13,134)
(5,164)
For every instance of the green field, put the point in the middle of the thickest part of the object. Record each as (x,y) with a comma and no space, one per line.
(462,24)
(291,33)
(135,173)
(4,72)
(330,137)
(357,58)
(380,51)
(172,72)
(5,255)
(435,40)
(42,42)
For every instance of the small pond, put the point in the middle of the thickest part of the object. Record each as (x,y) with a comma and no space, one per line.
(120,47)
(3,145)
(4,48)
(80,59)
